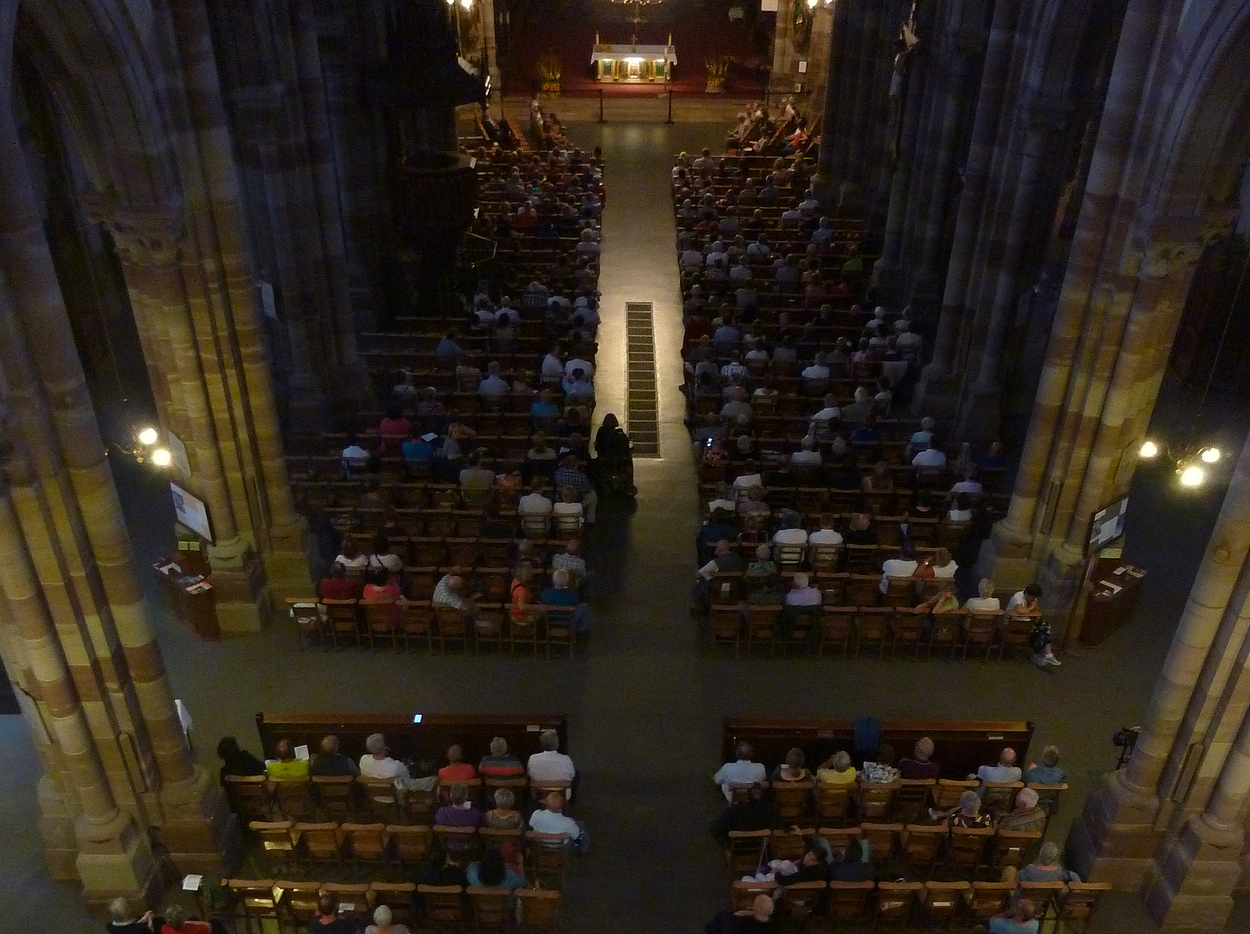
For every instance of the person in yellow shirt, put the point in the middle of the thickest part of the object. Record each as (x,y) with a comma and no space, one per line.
(286,766)
(836,770)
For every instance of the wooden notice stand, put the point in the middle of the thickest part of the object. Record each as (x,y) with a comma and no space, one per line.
(1114,587)
(187,594)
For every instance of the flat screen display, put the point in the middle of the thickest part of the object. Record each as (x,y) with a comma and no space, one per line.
(1107,525)
(191,512)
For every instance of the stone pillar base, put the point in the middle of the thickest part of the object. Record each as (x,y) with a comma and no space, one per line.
(1193,891)
(287,563)
(1060,578)
(1114,839)
(197,827)
(937,394)
(837,196)
(56,826)
(1007,557)
(889,280)
(242,600)
(115,859)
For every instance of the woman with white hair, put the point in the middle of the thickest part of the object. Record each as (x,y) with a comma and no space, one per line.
(1027,815)
(124,920)
(967,814)
(837,770)
(383,919)
(1045,868)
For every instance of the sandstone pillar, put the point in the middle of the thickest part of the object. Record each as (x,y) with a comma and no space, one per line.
(830,166)
(938,391)
(1117,834)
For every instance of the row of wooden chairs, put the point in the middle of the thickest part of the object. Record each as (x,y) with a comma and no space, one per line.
(421,624)
(901,800)
(926,905)
(286,844)
(259,797)
(844,630)
(291,905)
(918,848)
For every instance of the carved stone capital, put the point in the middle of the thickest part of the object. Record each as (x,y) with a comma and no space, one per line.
(1170,245)
(145,235)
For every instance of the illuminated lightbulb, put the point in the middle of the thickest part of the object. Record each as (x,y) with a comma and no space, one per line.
(1210,455)
(148,436)
(467,4)
(1148,450)
(1193,476)
(162,458)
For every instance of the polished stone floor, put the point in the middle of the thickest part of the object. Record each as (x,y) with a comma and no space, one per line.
(646,697)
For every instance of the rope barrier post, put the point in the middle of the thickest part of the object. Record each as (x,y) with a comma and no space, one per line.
(601,105)
(670,107)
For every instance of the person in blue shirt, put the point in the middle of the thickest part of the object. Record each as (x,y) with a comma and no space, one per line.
(1019,921)
(1049,772)
(560,594)
(720,528)
(417,450)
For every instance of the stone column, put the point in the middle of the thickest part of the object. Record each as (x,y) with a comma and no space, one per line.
(1117,834)
(938,391)
(779,76)
(829,166)
(979,416)
(1196,879)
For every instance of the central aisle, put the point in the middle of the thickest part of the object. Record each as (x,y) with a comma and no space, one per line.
(642,732)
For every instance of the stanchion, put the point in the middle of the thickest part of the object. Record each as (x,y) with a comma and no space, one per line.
(670,108)
(601,105)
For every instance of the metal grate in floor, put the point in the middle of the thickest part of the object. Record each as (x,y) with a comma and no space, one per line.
(643,404)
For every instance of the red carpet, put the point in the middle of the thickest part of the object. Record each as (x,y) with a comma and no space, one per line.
(567,28)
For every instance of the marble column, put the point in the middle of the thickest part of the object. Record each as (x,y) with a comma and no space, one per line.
(938,391)
(1116,837)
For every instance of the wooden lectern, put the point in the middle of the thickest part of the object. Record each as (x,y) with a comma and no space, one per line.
(187,593)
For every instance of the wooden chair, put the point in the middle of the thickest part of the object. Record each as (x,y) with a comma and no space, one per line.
(905,626)
(366,842)
(382,620)
(911,798)
(986,899)
(250,796)
(742,894)
(896,901)
(981,631)
(298,900)
(320,843)
(558,628)
(378,799)
(1013,848)
(836,625)
(900,591)
(848,901)
(792,799)
(353,899)
(549,857)
(1015,634)
(966,847)
(488,626)
(305,613)
(277,842)
(335,794)
(450,625)
(762,626)
(947,631)
(1079,904)
(746,851)
(294,797)
(456,841)
(883,840)
(922,843)
(255,898)
(875,799)
(1048,797)
(999,797)
(540,789)
(443,906)
(789,843)
(948,791)
(833,802)
(411,843)
(726,624)
(841,839)
(537,909)
(400,897)
(1044,895)
(417,623)
(420,804)
(871,626)
(940,901)
(489,907)
(800,901)
(343,622)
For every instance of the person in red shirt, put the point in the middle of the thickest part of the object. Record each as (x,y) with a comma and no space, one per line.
(393,431)
(176,922)
(338,586)
(457,770)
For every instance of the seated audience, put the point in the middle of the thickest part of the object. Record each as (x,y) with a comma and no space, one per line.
(452,591)
(551,765)
(178,921)
(329,761)
(1045,868)
(493,871)
(377,764)
(920,764)
(837,770)
(338,586)
(967,813)
(286,766)
(551,819)
(792,770)
(812,867)
(1049,772)
(504,815)
(351,558)
(1027,815)
(932,456)
(456,769)
(459,810)
(985,601)
(561,594)
(500,763)
(901,566)
(1019,920)
(327,920)
(758,919)
(383,922)
(742,771)
(570,474)
(237,761)
(1005,770)
(757,812)
(123,919)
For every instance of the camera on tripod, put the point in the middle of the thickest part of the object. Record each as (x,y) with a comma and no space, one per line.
(1126,738)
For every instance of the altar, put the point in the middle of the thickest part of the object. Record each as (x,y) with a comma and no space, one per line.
(633,63)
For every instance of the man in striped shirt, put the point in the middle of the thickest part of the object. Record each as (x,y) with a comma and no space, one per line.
(570,474)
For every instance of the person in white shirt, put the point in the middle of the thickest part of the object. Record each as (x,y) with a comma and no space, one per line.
(1026,602)
(743,771)
(968,484)
(985,602)
(494,384)
(577,363)
(819,427)
(904,565)
(578,384)
(734,369)
(551,765)
(961,509)
(931,456)
(377,765)
(907,340)
(723,500)
(568,505)
(818,370)
(825,535)
(1005,771)
(748,481)
(757,354)
(943,565)
(807,453)
(534,504)
(552,819)
(790,533)
(553,366)
(801,592)
(354,457)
